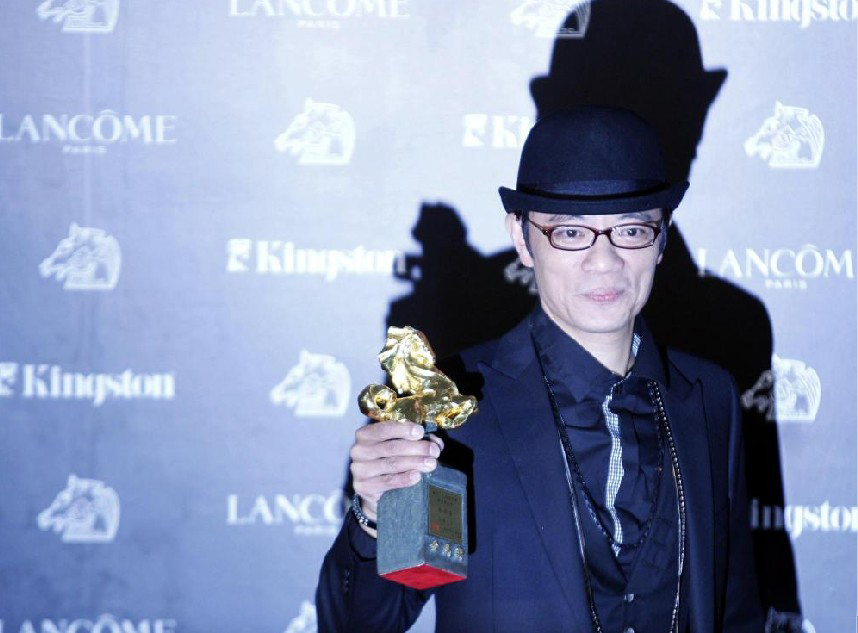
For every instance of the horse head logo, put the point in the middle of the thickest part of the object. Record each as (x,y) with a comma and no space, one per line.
(788,392)
(790,138)
(784,622)
(81,16)
(88,259)
(86,511)
(797,390)
(517,273)
(546,17)
(317,386)
(306,621)
(323,134)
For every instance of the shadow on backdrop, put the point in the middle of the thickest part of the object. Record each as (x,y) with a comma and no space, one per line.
(459,297)
(643,55)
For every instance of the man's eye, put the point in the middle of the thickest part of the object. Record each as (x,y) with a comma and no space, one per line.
(571,232)
(632,231)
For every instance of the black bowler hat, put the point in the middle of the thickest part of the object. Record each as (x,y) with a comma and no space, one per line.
(591,160)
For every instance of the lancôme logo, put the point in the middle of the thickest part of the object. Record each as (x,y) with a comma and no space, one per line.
(81,16)
(788,392)
(311,514)
(791,138)
(322,134)
(321,14)
(89,133)
(553,18)
(778,268)
(88,259)
(85,511)
(318,386)
(104,623)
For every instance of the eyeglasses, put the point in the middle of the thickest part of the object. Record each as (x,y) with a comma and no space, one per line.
(578,238)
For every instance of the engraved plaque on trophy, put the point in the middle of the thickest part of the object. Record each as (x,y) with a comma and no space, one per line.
(422,529)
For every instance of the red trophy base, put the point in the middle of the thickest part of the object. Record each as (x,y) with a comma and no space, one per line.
(423,577)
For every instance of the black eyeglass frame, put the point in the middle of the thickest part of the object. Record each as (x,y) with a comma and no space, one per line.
(548,230)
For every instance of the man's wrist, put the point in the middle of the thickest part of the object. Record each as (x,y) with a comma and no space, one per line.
(362,518)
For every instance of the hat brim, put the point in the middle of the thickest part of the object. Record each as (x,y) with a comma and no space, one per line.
(516,201)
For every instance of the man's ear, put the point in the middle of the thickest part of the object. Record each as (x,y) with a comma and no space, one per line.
(513,226)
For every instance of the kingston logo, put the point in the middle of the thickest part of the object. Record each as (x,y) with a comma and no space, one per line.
(8,377)
(496,131)
(798,519)
(52,382)
(801,12)
(276,257)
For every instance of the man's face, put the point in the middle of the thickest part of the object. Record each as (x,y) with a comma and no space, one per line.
(595,291)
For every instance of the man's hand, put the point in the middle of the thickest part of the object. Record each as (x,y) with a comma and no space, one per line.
(389,455)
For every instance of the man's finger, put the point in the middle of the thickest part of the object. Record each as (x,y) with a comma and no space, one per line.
(392,465)
(381,431)
(373,487)
(437,440)
(391,448)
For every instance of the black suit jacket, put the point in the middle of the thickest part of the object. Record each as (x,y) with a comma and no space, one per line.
(525,570)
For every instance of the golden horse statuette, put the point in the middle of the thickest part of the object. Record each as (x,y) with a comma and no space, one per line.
(423,393)
(423,528)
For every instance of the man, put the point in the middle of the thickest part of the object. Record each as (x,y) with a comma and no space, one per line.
(608,485)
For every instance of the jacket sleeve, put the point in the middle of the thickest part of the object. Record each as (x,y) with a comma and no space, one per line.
(353,598)
(742,610)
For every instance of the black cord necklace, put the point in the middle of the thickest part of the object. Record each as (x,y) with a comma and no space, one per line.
(589,501)
(569,458)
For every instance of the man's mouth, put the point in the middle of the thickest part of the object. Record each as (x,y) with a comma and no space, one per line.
(604,295)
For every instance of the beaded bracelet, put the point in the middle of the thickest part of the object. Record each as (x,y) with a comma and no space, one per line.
(360,516)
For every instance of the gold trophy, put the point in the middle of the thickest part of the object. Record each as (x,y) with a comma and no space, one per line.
(422,529)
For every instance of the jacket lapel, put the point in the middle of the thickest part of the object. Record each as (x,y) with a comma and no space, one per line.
(515,388)
(687,416)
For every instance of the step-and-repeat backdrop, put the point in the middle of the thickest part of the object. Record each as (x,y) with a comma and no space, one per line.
(211,209)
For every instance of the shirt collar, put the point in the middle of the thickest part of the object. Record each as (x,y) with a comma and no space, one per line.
(649,363)
(566,360)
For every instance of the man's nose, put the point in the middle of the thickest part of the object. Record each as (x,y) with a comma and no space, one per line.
(602,255)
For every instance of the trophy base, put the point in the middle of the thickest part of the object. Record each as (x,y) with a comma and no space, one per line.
(423,531)
(423,577)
